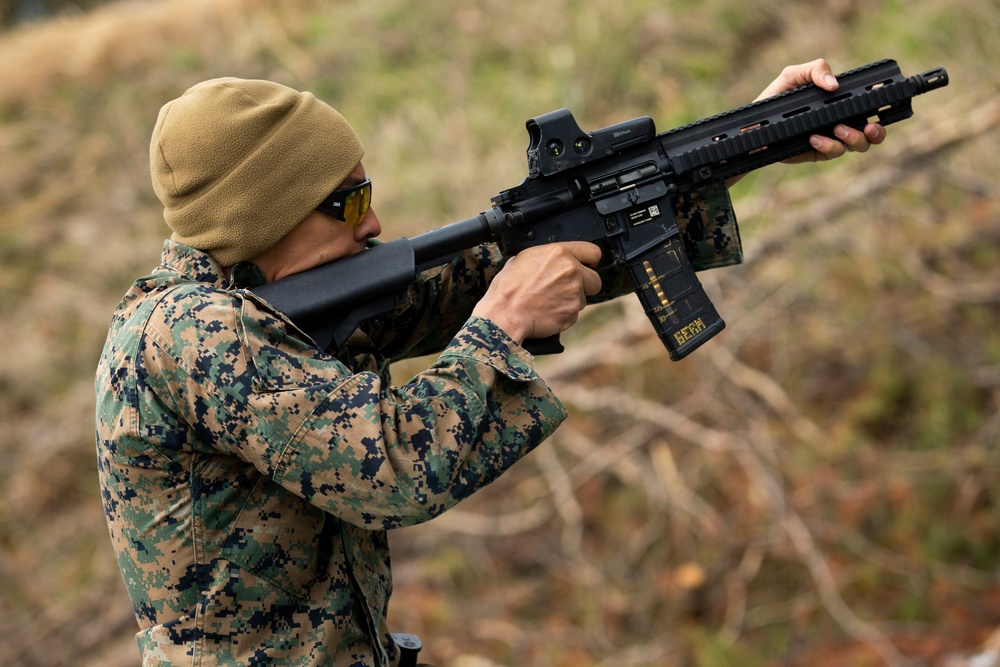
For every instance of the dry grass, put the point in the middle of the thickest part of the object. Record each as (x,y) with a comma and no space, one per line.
(818,482)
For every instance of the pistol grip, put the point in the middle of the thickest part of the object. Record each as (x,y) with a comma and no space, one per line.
(547,345)
(673,298)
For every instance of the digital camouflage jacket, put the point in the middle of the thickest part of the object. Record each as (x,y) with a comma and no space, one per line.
(249,479)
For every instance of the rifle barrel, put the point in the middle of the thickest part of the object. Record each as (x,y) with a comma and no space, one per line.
(440,245)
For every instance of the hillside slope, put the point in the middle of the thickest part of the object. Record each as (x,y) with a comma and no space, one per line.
(817,482)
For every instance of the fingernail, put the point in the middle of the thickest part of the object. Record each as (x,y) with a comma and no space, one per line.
(816,142)
(830,80)
(840,131)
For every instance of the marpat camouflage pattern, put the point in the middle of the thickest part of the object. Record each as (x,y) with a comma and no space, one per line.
(249,478)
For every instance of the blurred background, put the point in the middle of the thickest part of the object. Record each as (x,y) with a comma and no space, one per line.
(815,486)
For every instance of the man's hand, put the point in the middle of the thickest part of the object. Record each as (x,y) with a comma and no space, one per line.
(541,291)
(845,138)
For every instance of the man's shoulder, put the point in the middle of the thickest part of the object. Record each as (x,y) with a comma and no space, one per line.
(187,314)
(190,299)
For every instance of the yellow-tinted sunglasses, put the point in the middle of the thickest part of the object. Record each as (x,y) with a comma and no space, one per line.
(350,204)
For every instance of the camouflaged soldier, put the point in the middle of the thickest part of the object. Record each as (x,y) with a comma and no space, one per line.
(249,478)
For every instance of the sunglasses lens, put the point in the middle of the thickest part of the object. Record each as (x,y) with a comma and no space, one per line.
(356,205)
(349,205)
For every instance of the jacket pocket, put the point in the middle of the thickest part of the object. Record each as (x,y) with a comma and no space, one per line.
(278,537)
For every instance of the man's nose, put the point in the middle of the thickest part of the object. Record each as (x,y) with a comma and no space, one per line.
(369,228)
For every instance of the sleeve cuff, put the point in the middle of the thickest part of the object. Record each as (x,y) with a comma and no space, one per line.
(484,341)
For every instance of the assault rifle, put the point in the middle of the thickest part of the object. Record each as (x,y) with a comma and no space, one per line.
(615,187)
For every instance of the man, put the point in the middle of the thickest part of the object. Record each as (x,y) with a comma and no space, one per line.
(249,478)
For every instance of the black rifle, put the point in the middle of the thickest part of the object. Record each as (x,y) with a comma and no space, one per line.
(614,187)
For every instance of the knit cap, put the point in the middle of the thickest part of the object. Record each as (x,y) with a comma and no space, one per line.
(238,163)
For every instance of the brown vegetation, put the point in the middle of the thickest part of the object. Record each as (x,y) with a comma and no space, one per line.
(815,486)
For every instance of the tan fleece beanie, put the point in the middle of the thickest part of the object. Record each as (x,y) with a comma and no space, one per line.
(238,163)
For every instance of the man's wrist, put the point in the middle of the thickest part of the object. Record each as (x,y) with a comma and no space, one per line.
(511,324)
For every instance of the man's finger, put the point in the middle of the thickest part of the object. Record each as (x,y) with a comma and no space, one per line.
(591,282)
(818,72)
(585,252)
(821,74)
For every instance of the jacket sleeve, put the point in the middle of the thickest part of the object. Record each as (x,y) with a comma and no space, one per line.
(708,227)
(373,455)
(440,301)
